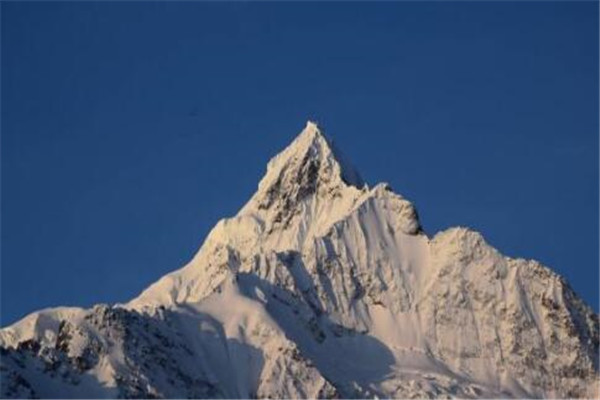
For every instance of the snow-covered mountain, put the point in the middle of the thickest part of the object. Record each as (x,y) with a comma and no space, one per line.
(320,287)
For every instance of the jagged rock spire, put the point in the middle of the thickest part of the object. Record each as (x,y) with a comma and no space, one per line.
(309,161)
(309,165)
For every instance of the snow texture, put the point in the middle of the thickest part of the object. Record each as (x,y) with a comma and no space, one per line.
(320,287)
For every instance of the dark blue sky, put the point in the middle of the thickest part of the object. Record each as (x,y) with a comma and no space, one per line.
(129,129)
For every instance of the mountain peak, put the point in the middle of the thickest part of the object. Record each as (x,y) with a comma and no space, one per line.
(312,129)
(313,274)
(309,163)
(310,144)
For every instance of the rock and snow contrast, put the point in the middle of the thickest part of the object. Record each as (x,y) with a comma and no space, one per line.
(320,287)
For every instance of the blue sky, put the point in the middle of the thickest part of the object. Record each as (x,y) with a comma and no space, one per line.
(130,129)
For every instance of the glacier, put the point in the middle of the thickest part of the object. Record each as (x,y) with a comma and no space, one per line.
(320,287)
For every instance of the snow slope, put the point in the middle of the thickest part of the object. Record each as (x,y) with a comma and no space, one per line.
(320,287)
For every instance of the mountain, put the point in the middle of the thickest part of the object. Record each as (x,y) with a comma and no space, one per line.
(320,287)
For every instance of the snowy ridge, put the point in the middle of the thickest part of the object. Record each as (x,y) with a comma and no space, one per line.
(320,287)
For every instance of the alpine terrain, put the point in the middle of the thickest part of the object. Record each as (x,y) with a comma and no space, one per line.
(320,287)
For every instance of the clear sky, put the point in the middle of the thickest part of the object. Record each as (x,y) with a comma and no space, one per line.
(130,129)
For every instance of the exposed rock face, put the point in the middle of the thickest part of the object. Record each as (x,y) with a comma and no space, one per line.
(320,287)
